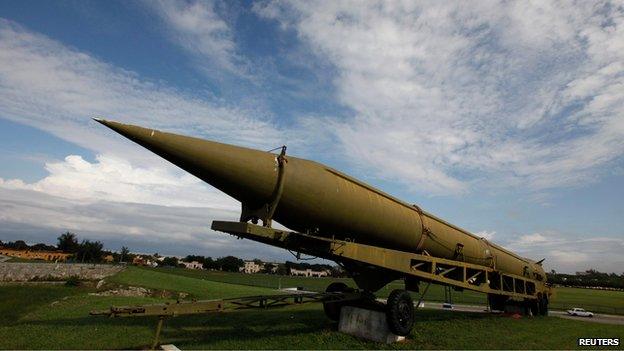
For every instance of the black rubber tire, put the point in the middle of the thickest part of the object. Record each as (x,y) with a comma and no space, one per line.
(332,309)
(400,312)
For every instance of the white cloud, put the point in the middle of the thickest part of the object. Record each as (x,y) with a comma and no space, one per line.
(571,253)
(35,215)
(127,193)
(196,27)
(114,179)
(57,89)
(113,201)
(531,239)
(449,96)
(569,257)
(486,234)
(446,97)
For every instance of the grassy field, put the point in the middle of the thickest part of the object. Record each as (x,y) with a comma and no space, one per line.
(56,317)
(200,289)
(604,301)
(596,300)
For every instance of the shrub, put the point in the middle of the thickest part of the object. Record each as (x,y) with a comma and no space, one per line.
(73,281)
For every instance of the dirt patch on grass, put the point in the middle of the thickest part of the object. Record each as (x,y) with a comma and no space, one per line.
(111,289)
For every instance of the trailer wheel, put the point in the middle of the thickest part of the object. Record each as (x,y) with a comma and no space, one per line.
(400,312)
(332,309)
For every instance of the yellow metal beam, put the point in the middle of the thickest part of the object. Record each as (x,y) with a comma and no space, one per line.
(404,262)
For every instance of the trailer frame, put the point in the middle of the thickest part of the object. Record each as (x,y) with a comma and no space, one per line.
(177,308)
(423,267)
(419,267)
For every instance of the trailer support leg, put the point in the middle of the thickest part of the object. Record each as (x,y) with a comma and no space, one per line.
(422,297)
(159,326)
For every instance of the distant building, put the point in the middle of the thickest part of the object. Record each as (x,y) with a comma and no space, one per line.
(109,258)
(257,267)
(192,265)
(308,273)
(35,255)
(144,261)
(252,267)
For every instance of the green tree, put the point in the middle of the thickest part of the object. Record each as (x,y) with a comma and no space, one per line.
(191,258)
(268,268)
(169,262)
(68,243)
(90,251)
(282,269)
(230,263)
(18,245)
(42,247)
(123,254)
(209,263)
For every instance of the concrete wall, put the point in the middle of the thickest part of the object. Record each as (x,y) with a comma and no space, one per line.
(20,272)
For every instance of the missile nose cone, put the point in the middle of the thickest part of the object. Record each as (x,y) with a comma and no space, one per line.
(116,126)
(100,120)
(245,174)
(137,134)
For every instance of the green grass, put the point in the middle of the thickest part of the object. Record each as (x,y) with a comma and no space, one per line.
(56,317)
(260,280)
(201,289)
(602,301)
(306,327)
(13,304)
(605,301)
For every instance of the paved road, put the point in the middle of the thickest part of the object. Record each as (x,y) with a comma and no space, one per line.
(598,317)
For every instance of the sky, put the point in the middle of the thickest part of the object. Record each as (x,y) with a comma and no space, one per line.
(504,118)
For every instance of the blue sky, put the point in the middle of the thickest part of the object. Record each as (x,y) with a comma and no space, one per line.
(503,118)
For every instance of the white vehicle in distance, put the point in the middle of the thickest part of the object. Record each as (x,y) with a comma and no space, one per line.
(580,312)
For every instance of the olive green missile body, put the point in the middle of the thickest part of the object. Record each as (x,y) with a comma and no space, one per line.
(319,200)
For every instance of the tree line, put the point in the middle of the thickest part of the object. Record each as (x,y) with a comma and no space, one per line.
(589,278)
(21,245)
(89,251)
(83,251)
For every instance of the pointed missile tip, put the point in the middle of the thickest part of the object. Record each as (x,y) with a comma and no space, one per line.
(104,122)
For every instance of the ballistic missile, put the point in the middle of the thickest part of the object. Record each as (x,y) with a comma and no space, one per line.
(319,200)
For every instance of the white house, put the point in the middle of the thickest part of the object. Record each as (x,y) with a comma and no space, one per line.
(251,267)
(193,265)
(308,273)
